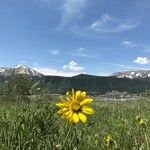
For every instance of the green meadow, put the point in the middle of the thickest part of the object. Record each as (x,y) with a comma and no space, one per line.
(37,126)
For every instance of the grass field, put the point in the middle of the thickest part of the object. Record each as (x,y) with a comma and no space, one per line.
(37,126)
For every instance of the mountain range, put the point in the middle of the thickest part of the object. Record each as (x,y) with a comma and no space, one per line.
(134,81)
(19,69)
(133,74)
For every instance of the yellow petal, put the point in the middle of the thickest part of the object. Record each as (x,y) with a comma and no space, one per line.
(69,115)
(82,117)
(62,104)
(73,95)
(68,96)
(141,122)
(87,110)
(63,100)
(86,101)
(59,112)
(75,117)
(78,94)
(108,138)
(83,94)
(64,109)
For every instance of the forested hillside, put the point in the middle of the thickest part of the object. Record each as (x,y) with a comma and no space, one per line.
(93,84)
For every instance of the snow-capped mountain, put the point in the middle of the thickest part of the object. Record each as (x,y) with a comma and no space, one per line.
(2,69)
(19,69)
(133,74)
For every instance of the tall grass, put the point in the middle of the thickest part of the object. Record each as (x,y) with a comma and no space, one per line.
(36,126)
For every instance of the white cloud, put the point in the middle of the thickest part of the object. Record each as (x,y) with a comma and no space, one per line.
(103,74)
(73,66)
(83,52)
(81,49)
(108,24)
(84,55)
(141,60)
(128,43)
(72,9)
(70,69)
(54,52)
(99,23)
(54,72)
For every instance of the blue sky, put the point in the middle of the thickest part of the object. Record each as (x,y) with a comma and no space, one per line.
(69,37)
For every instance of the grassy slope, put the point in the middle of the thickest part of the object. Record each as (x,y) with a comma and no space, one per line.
(37,126)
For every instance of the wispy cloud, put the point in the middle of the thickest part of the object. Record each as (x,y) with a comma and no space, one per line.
(141,60)
(81,49)
(71,10)
(128,43)
(109,24)
(84,55)
(83,52)
(106,26)
(54,52)
(100,22)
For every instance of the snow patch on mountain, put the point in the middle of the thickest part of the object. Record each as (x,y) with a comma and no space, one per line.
(133,74)
(19,69)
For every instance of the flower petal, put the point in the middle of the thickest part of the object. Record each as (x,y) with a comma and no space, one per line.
(68,115)
(78,94)
(75,117)
(83,94)
(60,112)
(86,101)
(68,96)
(64,109)
(63,100)
(87,110)
(82,117)
(62,105)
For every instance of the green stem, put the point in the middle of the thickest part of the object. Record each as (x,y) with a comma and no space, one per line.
(66,137)
(146,141)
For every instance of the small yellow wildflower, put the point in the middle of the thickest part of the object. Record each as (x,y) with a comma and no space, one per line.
(140,121)
(75,106)
(108,140)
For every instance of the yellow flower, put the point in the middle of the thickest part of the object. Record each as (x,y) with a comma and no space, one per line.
(108,140)
(75,106)
(140,121)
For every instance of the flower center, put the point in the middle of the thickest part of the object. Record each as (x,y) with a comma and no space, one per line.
(75,106)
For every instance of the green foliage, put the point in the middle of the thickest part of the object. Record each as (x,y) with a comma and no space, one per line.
(147,93)
(6,91)
(16,88)
(37,126)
